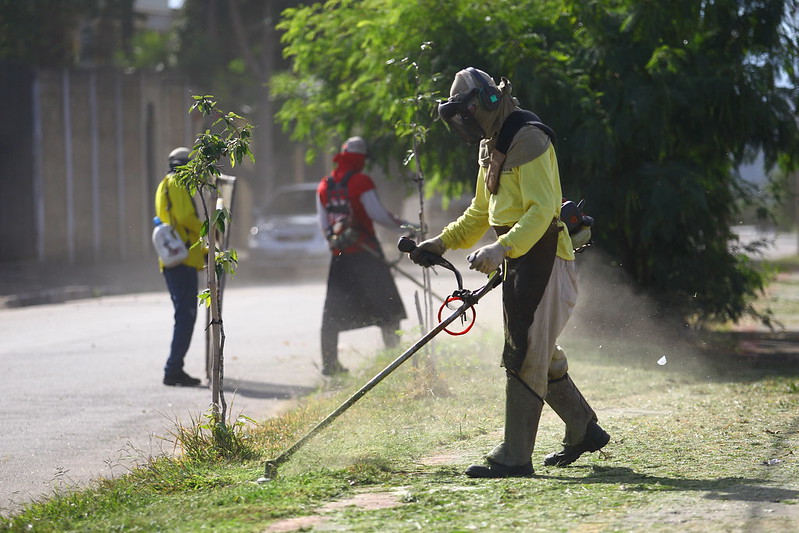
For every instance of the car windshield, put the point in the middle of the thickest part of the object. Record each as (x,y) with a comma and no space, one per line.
(301,202)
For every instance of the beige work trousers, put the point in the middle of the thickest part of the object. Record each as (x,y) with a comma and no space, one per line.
(544,359)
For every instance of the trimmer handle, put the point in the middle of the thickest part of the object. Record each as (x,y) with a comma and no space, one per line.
(407,245)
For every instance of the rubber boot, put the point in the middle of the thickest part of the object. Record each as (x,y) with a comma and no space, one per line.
(583,434)
(390,336)
(511,458)
(330,363)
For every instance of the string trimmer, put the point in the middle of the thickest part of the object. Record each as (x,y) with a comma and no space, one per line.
(467,300)
(395,268)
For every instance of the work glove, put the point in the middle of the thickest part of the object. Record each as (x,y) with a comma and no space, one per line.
(421,254)
(582,237)
(488,258)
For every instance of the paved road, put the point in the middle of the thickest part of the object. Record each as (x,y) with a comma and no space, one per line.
(775,244)
(81,380)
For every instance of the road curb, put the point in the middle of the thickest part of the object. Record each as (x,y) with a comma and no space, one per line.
(50,296)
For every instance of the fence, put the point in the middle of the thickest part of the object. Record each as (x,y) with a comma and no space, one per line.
(81,153)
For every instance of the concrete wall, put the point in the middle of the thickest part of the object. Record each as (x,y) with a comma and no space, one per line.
(82,151)
(80,156)
(16,163)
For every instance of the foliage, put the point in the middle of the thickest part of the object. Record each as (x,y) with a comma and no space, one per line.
(54,33)
(356,73)
(201,172)
(151,49)
(689,93)
(227,47)
(232,49)
(209,441)
(231,143)
(655,104)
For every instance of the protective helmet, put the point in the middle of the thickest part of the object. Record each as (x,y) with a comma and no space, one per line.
(472,90)
(472,79)
(355,145)
(179,156)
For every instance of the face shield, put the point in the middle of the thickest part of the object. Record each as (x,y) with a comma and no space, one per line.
(458,114)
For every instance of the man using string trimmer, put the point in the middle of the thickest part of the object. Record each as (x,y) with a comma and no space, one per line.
(518,194)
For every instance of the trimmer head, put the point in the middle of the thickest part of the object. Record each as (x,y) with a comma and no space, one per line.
(270,470)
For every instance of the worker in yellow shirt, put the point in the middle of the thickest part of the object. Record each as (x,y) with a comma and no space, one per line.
(518,194)
(176,207)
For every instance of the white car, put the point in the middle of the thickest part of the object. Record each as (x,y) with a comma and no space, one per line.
(286,231)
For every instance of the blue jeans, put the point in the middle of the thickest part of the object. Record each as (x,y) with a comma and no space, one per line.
(182,284)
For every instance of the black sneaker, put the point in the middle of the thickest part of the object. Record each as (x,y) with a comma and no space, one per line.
(496,470)
(595,439)
(181,380)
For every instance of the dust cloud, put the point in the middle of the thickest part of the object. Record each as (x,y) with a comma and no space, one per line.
(618,321)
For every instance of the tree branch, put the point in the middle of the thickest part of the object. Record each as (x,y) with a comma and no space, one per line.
(240,34)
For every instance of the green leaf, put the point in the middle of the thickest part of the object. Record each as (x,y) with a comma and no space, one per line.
(205,297)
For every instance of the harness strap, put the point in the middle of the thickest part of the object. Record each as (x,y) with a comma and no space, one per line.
(172,221)
(514,123)
(338,190)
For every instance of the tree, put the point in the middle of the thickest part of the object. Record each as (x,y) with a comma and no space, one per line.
(655,104)
(689,92)
(54,33)
(231,49)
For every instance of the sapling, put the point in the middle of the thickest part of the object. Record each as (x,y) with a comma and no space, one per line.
(415,125)
(228,137)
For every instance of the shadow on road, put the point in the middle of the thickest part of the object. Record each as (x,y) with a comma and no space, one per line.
(254,389)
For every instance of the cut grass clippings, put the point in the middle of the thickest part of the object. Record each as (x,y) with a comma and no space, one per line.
(700,441)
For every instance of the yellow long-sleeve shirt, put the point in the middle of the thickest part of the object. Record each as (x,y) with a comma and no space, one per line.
(529,197)
(181,215)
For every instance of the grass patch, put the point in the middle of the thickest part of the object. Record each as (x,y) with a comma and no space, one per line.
(697,444)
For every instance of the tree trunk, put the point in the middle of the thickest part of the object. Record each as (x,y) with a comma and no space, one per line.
(217,397)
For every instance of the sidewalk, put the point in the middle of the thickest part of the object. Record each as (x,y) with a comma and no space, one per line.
(33,283)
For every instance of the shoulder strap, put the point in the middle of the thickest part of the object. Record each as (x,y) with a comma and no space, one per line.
(342,185)
(168,199)
(165,186)
(338,196)
(346,178)
(514,123)
(172,221)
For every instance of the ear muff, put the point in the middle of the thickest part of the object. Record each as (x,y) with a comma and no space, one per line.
(489,96)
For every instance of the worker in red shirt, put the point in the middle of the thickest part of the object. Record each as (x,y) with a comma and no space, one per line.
(360,288)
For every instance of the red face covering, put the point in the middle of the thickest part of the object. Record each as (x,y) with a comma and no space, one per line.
(347,161)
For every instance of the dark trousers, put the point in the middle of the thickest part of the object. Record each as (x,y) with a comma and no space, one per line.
(330,333)
(182,284)
(360,292)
